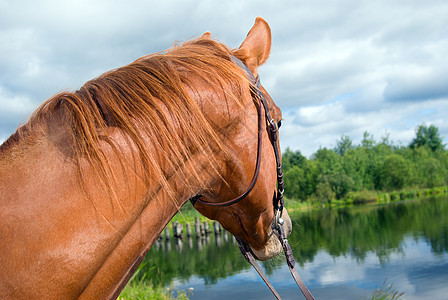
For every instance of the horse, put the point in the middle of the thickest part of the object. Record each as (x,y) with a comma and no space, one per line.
(88,183)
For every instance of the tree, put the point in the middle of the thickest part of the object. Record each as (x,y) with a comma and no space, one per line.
(427,137)
(343,145)
(385,139)
(332,181)
(395,172)
(324,192)
(367,140)
(299,174)
(291,159)
(294,176)
(332,173)
(329,162)
(434,173)
(355,165)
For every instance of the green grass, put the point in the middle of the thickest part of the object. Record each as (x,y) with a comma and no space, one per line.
(362,197)
(187,215)
(296,205)
(146,290)
(139,288)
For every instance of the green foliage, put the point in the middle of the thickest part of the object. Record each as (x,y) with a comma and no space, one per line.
(291,159)
(324,191)
(300,175)
(188,214)
(427,137)
(395,172)
(343,145)
(145,290)
(332,174)
(139,288)
(367,140)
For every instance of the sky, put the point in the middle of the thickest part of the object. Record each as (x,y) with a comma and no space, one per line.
(336,67)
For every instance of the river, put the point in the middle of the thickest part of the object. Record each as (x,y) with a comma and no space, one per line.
(343,253)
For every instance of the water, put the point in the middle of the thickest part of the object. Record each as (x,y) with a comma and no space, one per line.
(341,254)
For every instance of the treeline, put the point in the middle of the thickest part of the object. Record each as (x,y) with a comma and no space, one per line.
(371,166)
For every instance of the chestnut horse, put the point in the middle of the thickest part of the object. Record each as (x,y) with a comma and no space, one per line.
(90,181)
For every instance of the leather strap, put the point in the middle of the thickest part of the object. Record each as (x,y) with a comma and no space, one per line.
(245,250)
(197,198)
(273,135)
(278,231)
(278,201)
(247,253)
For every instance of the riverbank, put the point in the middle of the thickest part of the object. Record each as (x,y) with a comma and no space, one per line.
(188,215)
(365,197)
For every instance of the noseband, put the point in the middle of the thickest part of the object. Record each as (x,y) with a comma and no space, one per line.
(278,201)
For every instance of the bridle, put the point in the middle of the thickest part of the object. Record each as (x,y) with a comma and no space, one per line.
(273,135)
(278,201)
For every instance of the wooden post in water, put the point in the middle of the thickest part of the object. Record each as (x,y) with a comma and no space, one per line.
(177,230)
(218,238)
(167,234)
(188,226)
(174,229)
(202,230)
(180,230)
(197,227)
(206,228)
(216,228)
(179,244)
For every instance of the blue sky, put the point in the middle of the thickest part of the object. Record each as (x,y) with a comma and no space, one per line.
(336,67)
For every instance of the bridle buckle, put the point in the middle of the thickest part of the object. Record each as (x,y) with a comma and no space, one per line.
(278,220)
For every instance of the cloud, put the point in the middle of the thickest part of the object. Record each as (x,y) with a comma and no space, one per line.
(14,110)
(327,72)
(420,85)
(310,128)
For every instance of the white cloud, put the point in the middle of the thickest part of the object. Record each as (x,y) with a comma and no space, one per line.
(15,109)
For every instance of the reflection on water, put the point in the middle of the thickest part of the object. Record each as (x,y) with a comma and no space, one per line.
(341,254)
(219,239)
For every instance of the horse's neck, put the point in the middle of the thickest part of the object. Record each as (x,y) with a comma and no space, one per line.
(159,208)
(86,245)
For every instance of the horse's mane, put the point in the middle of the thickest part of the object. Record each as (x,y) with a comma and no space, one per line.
(149,99)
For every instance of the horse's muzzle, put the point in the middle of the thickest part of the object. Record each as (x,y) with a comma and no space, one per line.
(273,246)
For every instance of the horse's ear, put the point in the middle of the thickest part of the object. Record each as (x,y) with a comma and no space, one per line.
(255,49)
(206,35)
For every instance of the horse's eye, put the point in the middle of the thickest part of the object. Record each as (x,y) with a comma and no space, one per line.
(279,124)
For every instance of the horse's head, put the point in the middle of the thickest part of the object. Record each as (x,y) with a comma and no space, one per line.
(244,201)
(191,121)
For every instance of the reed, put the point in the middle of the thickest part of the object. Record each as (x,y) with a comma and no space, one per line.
(386,292)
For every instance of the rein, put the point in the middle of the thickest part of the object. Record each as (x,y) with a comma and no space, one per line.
(278,201)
